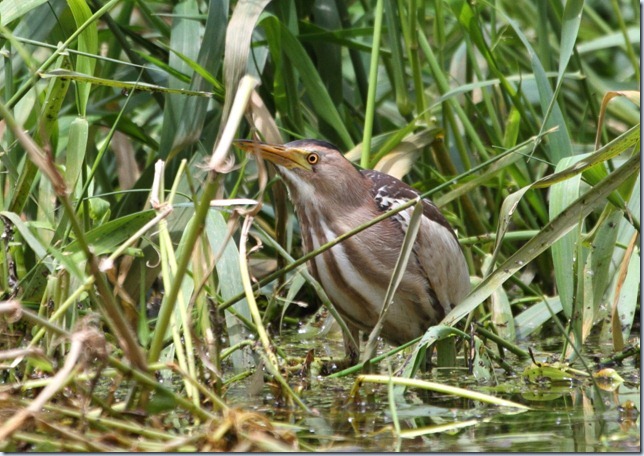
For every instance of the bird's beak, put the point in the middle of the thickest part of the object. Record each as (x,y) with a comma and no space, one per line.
(287,157)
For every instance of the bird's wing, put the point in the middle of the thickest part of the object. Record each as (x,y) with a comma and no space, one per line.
(389,191)
(437,247)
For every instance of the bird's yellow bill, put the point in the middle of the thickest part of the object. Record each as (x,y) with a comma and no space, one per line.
(287,157)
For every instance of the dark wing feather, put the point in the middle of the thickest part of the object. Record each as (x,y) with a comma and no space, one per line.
(387,190)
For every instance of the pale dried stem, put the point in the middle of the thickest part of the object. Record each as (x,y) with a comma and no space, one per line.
(79,347)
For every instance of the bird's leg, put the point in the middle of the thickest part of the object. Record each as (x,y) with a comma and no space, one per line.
(351,350)
(351,345)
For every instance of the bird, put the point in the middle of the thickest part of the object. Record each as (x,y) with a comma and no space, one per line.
(331,197)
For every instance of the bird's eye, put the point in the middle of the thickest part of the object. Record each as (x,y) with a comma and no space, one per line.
(313,158)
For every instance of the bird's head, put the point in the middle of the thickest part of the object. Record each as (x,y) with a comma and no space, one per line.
(313,170)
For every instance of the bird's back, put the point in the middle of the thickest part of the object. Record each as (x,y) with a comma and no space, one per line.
(437,249)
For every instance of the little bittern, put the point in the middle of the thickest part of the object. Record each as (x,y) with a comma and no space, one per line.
(332,197)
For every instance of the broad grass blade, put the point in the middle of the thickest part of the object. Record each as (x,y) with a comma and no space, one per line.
(228,275)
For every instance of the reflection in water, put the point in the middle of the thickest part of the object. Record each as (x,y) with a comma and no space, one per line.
(569,417)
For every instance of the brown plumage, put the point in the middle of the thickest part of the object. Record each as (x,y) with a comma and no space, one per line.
(332,197)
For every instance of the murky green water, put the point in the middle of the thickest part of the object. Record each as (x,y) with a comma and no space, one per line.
(563,418)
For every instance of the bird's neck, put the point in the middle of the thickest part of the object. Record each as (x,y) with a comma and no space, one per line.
(329,198)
